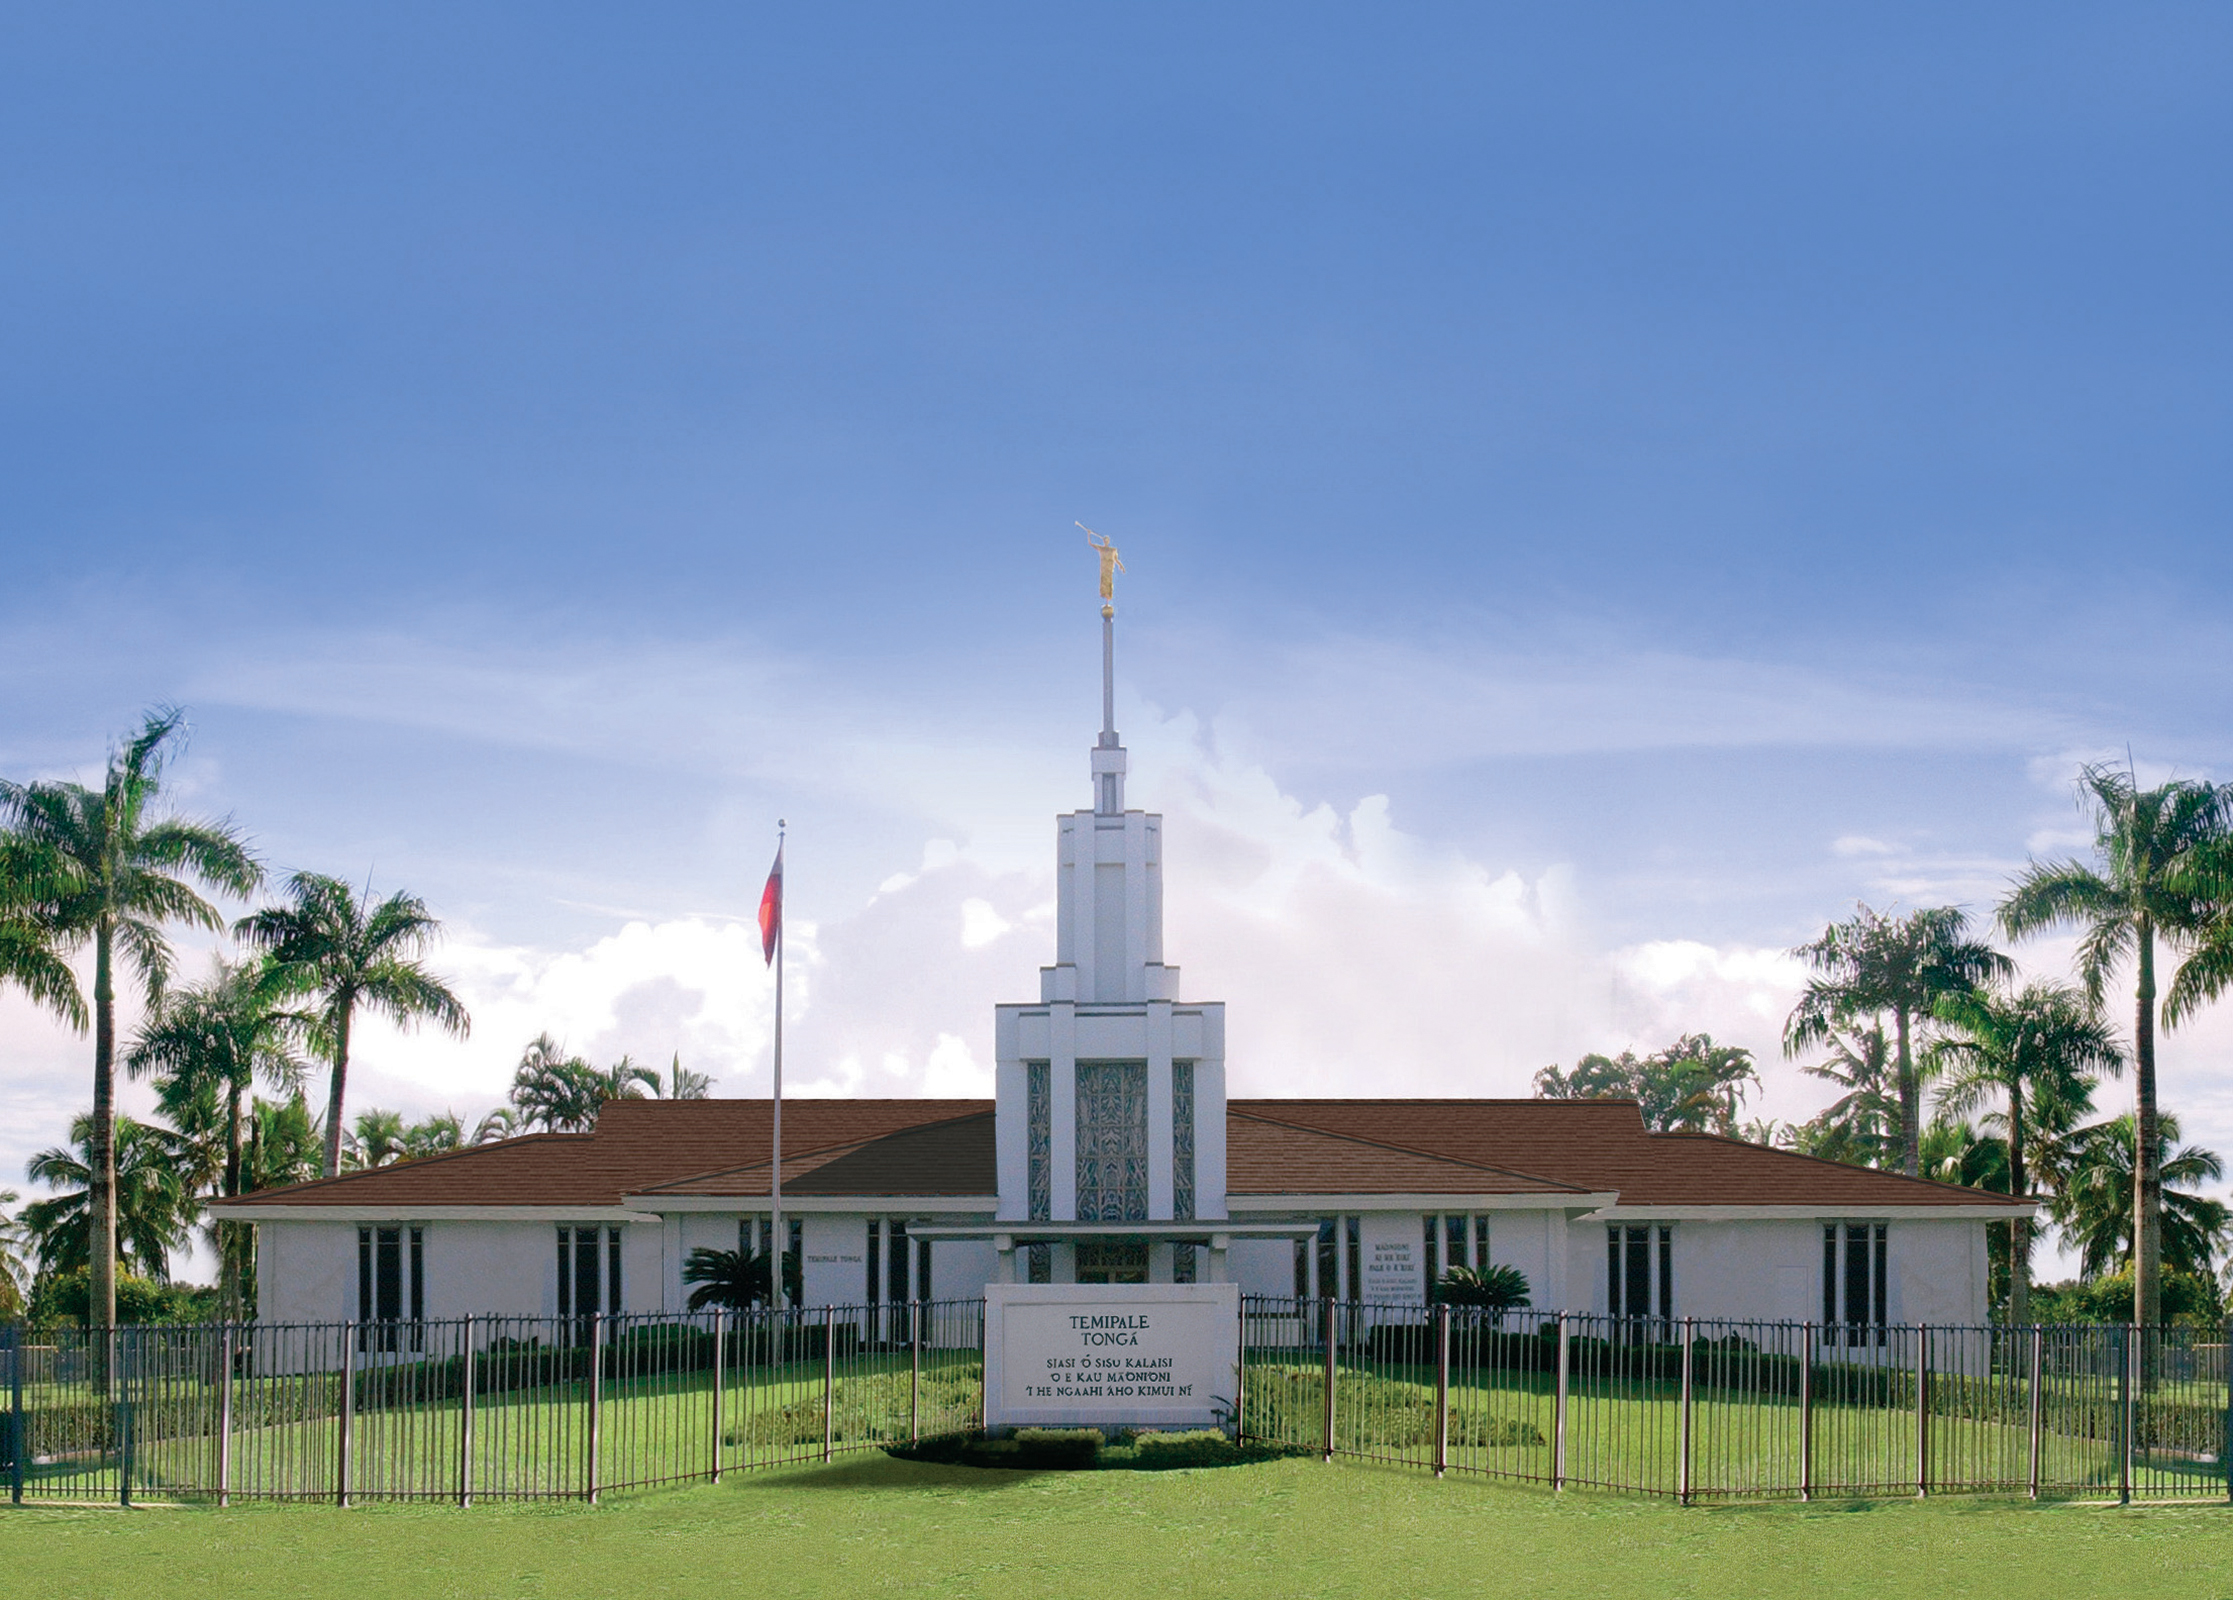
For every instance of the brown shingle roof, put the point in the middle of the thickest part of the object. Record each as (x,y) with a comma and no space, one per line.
(1264,1156)
(945,1147)
(638,1145)
(1603,1145)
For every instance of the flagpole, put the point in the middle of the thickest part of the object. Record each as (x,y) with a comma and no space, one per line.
(777,1240)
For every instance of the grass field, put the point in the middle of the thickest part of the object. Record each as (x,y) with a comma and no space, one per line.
(875,1526)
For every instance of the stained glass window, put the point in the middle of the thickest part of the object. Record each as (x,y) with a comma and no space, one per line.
(1112,1141)
(1038,1113)
(1182,1142)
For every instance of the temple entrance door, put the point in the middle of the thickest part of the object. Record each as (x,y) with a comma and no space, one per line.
(1112,1260)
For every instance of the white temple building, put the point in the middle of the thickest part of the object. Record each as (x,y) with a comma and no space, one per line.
(1112,1153)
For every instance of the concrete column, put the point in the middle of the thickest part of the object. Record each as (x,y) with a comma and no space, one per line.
(1062,1111)
(1160,1164)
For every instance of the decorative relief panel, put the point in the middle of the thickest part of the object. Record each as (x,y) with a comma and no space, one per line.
(1038,1114)
(1182,1141)
(1112,1141)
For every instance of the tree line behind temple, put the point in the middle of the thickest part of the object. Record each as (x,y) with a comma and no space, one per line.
(1950,1068)
(107,871)
(1946,1066)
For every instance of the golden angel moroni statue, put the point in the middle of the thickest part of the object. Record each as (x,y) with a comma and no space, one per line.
(1111,562)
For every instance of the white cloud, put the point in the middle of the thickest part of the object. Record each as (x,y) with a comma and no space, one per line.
(1854,845)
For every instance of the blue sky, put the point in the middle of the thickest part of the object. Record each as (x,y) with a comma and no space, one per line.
(1691,467)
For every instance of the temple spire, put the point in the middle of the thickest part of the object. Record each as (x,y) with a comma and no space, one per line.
(1108,755)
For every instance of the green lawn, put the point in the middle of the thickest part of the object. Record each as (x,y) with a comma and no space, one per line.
(874,1526)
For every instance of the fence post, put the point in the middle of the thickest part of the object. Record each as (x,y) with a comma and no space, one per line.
(1329,1408)
(1806,1411)
(718,1361)
(120,1380)
(2225,1376)
(348,1413)
(1922,1411)
(2129,1338)
(1682,1460)
(1240,1378)
(468,1381)
(829,1377)
(1441,1389)
(915,1371)
(225,1415)
(596,1400)
(2038,1404)
(18,1442)
(1558,1409)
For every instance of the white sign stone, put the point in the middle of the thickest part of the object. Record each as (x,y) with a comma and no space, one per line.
(1110,1355)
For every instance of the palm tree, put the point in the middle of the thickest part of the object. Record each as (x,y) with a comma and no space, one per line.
(2041,1043)
(1873,964)
(208,1046)
(115,871)
(552,1090)
(2160,856)
(502,1123)
(623,1080)
(377,1139)
(284,1145)
(434,1135)
(732,1279)
(683,1084)
(329,947)
(2096,1205)
(1860,1126)
(1691,1085)
(15,1264)
(154,1208)
(30,937)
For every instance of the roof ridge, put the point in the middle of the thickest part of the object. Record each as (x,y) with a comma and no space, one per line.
(427,1160)
(1409,1150)
(1821,1161)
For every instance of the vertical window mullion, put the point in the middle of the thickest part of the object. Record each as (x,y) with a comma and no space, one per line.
(1880,1303)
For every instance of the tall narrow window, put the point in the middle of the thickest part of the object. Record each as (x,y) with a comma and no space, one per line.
(1038,1120)
(1329,1269)
(613,1305)
(1481,1243)
(1182,1141)
(1877,1302)
(875,1264)
(1039,1263)
(1302,1269)
(1182,1263)
(1857,1296)
(1829,1277)
(1666,1277)
(588,1274)
(391,1281)
(1636,1265)
(1453,1234)
(1612,1272)
(1356,1285)
(922,1269)
(1426,1257)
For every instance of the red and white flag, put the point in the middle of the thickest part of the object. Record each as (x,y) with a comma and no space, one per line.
(771,909)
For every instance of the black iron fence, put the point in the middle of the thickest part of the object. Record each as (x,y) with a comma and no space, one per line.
(1699,1409)
(480,1408)
(530,1408)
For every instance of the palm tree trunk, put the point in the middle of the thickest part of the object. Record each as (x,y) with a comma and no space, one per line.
(2147,1157)
(100,1176)
(2019,1228)
(228,1233)
(342,1008)
(1911,1117)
